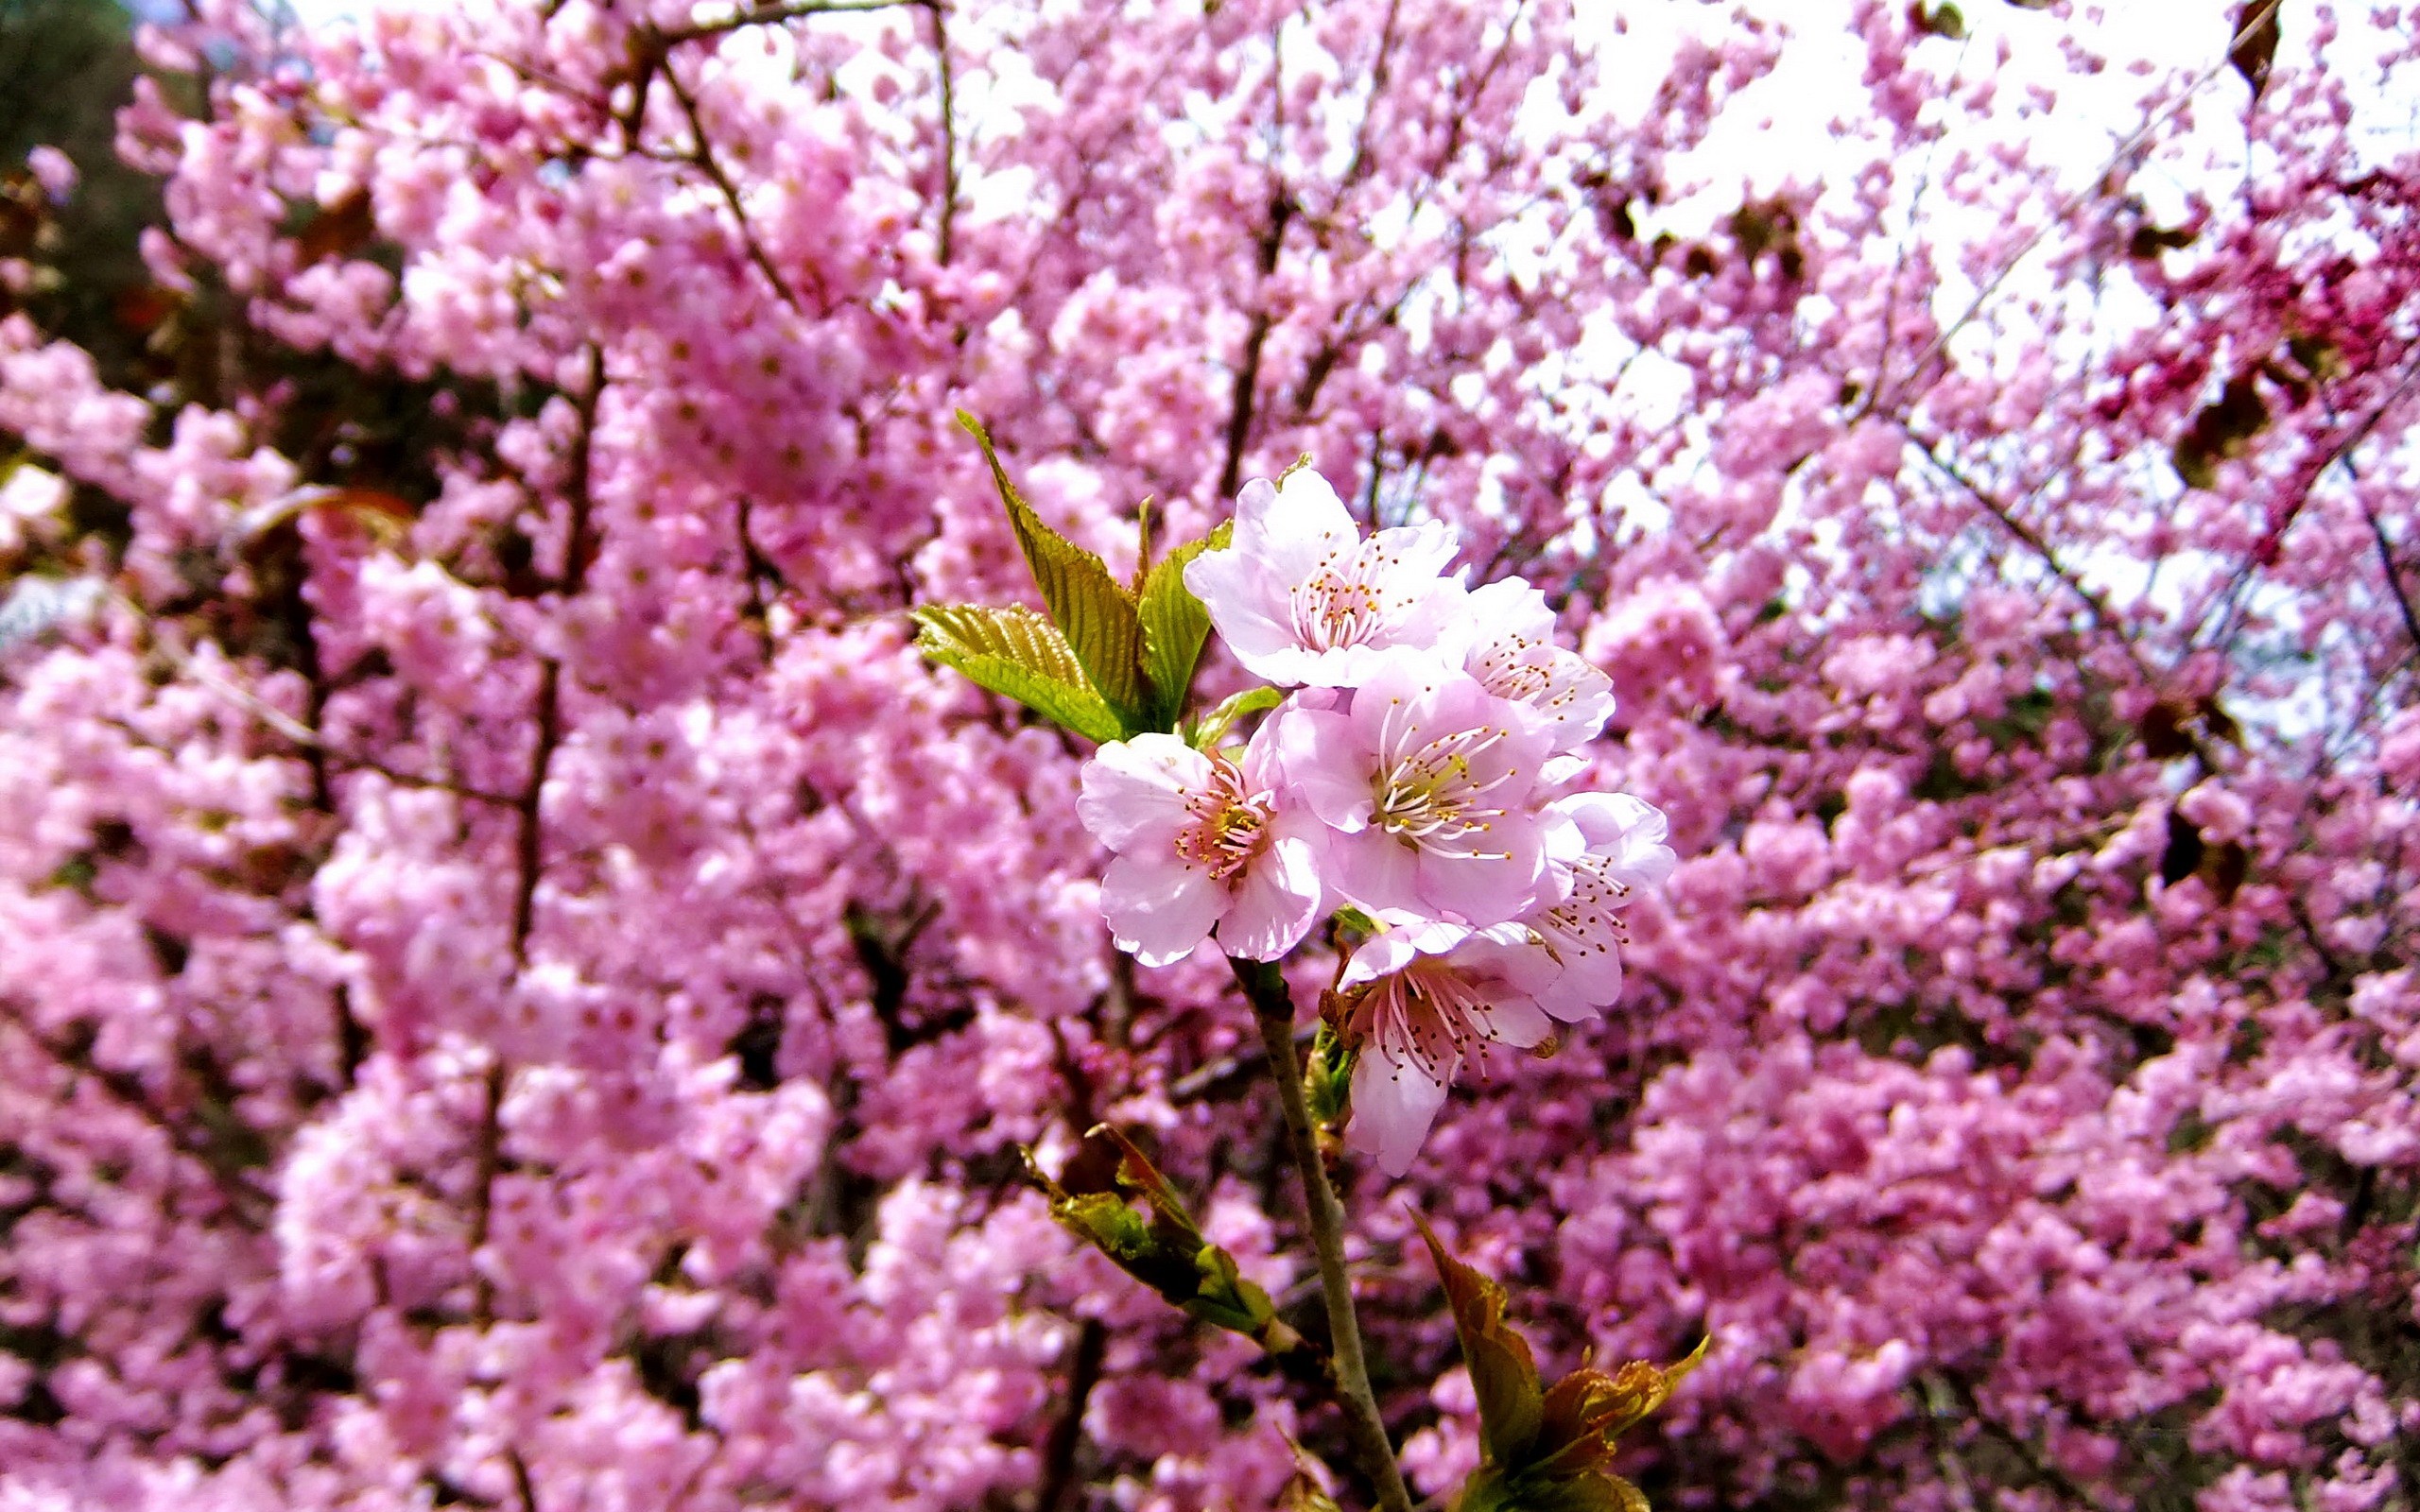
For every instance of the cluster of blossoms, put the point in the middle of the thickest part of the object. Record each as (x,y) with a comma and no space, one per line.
(1415,772)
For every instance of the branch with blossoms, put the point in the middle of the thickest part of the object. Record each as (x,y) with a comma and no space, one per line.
(1398,781)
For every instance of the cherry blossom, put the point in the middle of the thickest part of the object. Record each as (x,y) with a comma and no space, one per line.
(1509,644)
(1421,997)
(1580,936)
(1301,597)
(1426,783)
(526,990)
(1201,844)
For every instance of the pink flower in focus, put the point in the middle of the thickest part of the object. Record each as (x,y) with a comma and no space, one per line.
(1422,995)
(1302,598)
(1424,782)
(1201,845)
(1575,962)
(1505,637)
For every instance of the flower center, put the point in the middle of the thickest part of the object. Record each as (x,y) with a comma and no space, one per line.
(1434,797)
(1427,1015)
(1230,826)
(1585,922)
(1510,669)
(1345,602)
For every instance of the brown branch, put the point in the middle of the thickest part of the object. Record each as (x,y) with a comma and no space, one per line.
(251,1205)
(2393,576)
(940,9)
(701,155)
(580,550)
(522,1491)
(1218,1076)
(769,15)
(1940,344)
(2103,618)
(1281,210)
(1058,1480)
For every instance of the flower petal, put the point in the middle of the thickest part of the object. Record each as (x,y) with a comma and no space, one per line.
(1394,1105)
(1317,752)
(1159,911)
(1274,904)
(1133,798)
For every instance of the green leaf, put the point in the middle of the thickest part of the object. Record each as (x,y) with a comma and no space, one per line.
(1160,1245)
(1174,627)
(1504,1374)
(1017,654)
(1327,1077)
(1213,727)
(1303,1494)
(1091,608)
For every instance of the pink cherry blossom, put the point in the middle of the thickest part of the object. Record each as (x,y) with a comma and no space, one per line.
(1505,637)
(1422,996)
(1301,597)
(522,984)
(1574,961)
(1426,783)
(1201,844)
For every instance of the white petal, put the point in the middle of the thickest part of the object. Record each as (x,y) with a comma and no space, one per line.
(1488,889)
(1394,1105)
(1377,871)
(1133,798)
(1159,911)
(1317,752)
(1380,955)
(1296,526)
(1514,1021)
(1247,602)
(1274,904)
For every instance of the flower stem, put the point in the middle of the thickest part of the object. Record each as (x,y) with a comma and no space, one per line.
(1275,1007)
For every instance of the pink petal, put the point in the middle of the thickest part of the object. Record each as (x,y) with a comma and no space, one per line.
(1248,604)
(1294,526)
(1394,1105)
(1483,890)
(1132,798)
(1274,904)
(1514,1021)
(1159,911)
(1322,762)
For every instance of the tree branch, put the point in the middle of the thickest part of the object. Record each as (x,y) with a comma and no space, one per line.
(1281,210)
(1068,1431)
(769,15)
(1274,1009)
(940,9)
(702,155)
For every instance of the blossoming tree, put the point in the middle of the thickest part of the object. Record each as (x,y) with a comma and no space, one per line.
(528,987)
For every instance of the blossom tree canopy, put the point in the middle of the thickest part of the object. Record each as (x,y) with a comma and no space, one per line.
(604,911)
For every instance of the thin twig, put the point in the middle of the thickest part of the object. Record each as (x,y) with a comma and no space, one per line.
(1240,411)
(769,15)
(702,156)
(1067,1430)
(940,9)
(1274,1009)
(2065,207)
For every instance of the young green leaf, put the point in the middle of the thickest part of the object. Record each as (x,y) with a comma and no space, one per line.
(1161,1245)
(1542,1451)
(1017,654)
(1212,727)
(1174,627)
(1091,608)
(1504,1374)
